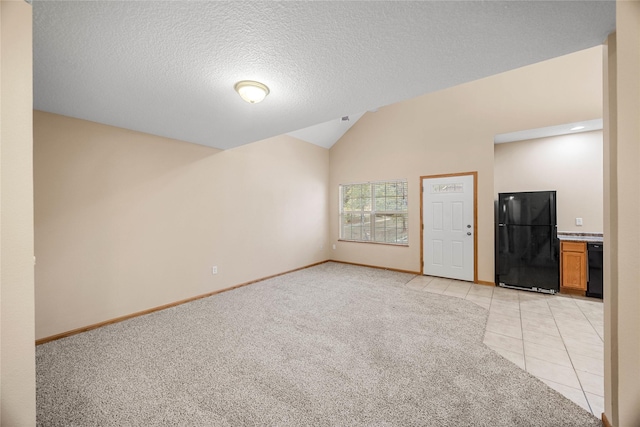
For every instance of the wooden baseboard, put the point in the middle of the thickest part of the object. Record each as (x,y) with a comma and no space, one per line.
(162,307)
(605,421)
(417,273)
(483,282)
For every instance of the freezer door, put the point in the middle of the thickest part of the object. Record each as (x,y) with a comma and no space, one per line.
(531,208)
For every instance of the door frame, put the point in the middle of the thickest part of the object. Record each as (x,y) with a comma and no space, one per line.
(475,218)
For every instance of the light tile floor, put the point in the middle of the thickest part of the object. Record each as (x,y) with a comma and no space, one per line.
(557,338)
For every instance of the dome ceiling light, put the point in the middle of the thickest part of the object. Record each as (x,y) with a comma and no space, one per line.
(252,92)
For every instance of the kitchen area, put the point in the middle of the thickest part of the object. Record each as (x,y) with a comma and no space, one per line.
(581,263)
(546,313)
(531,254)
(548,186)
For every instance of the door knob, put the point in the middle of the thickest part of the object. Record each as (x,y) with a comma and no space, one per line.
(468,233)
(468,225)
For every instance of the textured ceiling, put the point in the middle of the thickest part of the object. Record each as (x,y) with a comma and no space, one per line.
(168,67)
(328,133)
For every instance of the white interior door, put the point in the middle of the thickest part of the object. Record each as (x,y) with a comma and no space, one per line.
(448,248)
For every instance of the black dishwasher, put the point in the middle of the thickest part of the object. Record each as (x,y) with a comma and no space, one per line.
(594,285)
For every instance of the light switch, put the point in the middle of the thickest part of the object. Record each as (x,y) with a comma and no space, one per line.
(579,221)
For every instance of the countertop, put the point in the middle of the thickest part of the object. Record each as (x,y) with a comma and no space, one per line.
(570,236)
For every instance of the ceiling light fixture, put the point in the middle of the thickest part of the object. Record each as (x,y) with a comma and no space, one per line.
(252,92)
(577,128)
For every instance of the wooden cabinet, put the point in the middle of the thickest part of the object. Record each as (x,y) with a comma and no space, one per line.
(573,267)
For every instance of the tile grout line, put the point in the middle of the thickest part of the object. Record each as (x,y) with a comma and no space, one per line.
(467,293)
(498,333)
(571,360)
(524,354)
(590,322)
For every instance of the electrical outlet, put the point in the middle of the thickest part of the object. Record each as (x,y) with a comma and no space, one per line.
(334,246)
(579,221)
(214,269)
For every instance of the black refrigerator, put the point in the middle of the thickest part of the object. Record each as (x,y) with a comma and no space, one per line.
(527,248)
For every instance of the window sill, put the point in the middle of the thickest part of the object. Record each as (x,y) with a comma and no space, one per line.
(402,245)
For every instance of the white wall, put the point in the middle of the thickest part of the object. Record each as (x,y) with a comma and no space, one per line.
(569,164)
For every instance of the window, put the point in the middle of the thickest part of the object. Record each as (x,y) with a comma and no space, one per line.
(458,187)
(374,212)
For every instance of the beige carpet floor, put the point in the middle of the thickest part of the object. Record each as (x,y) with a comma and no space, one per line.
(332,345)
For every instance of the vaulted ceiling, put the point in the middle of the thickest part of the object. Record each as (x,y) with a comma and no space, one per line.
(169,67)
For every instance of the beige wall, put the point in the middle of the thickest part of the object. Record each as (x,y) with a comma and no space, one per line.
(622,210)
(610,287)
(127,221)
(17,367)
(569,164)
(452,131)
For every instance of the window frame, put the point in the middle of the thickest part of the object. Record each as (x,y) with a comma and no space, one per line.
(373,212)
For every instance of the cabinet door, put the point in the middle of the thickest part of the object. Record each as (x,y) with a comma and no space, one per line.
(574,270)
